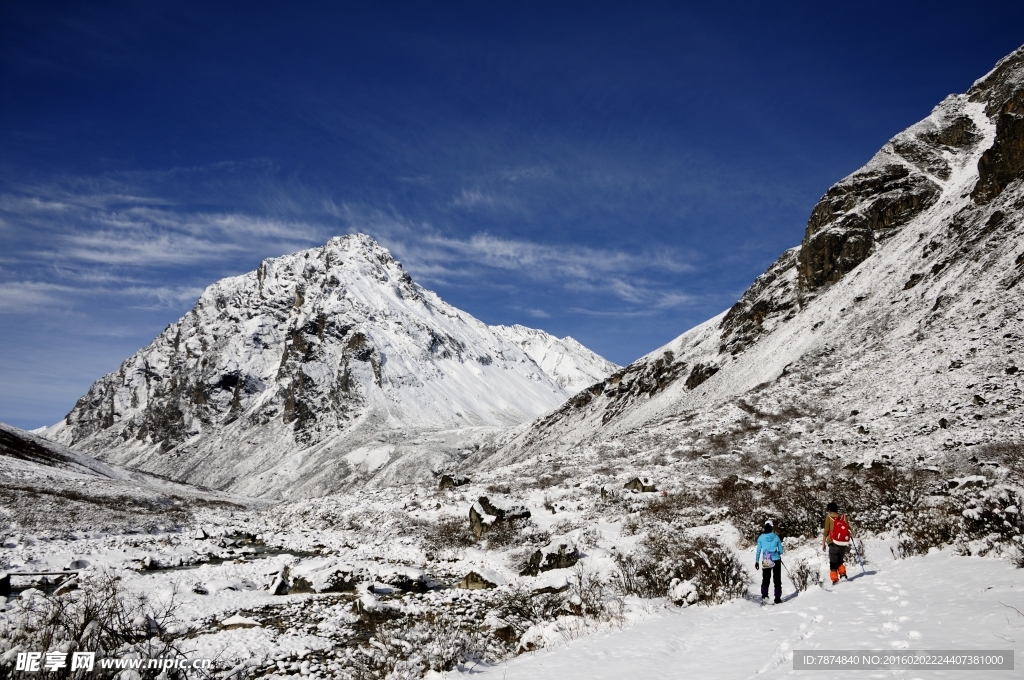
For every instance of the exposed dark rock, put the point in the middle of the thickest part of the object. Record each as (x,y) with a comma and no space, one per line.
(406,580)
(559,554)
(642,484)
(451,481)
(699,374)
(846,222)
(474,581)
(1003,163)
(913,281)
(771,296)
(961,133)
(484,513)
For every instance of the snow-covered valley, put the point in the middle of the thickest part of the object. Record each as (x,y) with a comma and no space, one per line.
(330,472)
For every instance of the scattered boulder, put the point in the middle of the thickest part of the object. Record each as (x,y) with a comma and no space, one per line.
(560,553)
(979,400)
(199,589)
(451,481)
(966,482)
(406,579)
(200,534)
(239,621)
(325,576)
(279,584)
(943,423)
(552,583)
(67,586)
(371,610)
(641,484)
(480,579)
(75,565)
(486,512)
(610,492)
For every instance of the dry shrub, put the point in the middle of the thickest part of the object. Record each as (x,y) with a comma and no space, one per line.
(672,508)
(519,608)
(451,533)
(804,574)
(104,617)
(666,558)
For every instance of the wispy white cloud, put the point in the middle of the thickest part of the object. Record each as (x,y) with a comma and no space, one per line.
(95,238)
(30,296)
(92,238)
(634,278)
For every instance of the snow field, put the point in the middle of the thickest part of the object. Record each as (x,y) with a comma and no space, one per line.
(935,601)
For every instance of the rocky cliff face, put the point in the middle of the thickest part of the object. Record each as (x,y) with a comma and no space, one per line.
(275,374)
(903,291)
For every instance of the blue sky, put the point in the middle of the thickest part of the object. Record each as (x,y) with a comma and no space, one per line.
(614,172)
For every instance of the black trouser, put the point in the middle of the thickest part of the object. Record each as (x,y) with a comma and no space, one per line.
(836,555)
(766,577)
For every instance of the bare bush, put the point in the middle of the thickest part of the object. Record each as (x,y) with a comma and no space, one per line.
(520,608)
(407,648)
(906,547)
(805,574)
(451,533)
(105,618)
(590,596)
(666,559)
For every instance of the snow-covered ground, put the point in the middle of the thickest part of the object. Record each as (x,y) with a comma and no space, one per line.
(932,602)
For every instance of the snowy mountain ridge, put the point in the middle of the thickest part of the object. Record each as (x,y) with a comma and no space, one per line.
(891,330)
(327,353)
(572,365)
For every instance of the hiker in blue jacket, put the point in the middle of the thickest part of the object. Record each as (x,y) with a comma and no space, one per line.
(769,556)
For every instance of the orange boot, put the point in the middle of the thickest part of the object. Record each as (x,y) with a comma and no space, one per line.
(834,575)
(842,570)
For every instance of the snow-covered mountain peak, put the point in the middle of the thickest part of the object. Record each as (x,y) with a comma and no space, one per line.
(571,364)
(276,373)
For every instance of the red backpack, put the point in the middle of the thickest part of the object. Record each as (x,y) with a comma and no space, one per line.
(840,533)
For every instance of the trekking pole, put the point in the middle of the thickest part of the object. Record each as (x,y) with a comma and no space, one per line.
(853,544)
(789,576)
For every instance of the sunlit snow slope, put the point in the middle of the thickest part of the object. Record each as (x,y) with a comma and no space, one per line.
(317,367)
(893,330)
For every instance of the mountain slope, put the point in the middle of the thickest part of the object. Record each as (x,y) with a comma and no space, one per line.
(46,487)
(276,374)
(893,330)
(572,365)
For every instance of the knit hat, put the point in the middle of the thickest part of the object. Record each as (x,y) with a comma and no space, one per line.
(768,526)
(833,507)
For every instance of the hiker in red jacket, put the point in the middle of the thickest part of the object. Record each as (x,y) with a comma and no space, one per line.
(835,540)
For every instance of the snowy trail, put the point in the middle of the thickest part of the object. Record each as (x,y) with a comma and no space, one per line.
(938,601)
